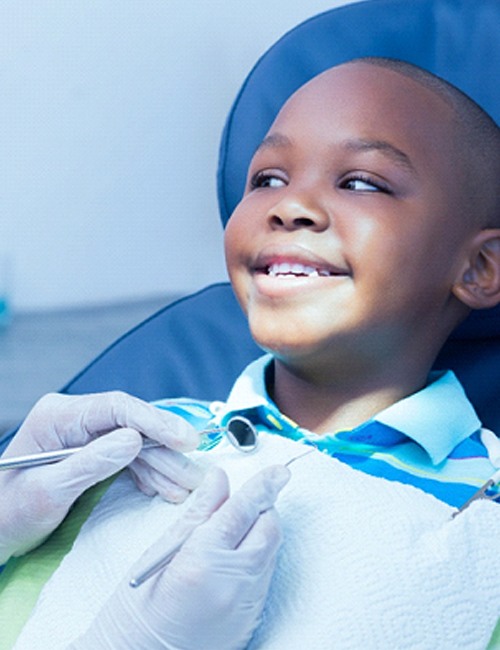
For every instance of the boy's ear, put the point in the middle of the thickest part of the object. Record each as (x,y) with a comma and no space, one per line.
(478,285)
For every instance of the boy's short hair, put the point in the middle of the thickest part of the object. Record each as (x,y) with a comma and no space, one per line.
(479,133)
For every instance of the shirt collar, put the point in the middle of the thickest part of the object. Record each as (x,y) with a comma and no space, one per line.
(438,417)
(249,390)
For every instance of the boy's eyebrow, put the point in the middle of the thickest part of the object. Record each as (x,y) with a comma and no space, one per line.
(384,147)
(277,140)
(274,140)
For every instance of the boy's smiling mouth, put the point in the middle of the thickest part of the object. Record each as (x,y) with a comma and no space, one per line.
(295,269)
(295,264)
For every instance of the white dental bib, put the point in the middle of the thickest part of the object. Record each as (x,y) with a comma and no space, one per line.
(366,563)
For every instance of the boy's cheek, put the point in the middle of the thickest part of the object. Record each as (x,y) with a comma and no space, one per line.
(231,244)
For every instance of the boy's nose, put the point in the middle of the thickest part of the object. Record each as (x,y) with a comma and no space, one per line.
(293,214)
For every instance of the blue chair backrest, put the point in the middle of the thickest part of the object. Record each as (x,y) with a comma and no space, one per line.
(197,346)
(194,347)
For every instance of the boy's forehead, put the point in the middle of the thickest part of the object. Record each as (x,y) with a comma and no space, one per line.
(371,89)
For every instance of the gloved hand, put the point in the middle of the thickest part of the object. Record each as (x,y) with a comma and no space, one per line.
(34,501)
(212,594)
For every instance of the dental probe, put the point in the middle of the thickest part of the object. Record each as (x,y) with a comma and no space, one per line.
(169,554)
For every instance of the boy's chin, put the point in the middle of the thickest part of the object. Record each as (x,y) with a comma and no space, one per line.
(275,341)
(307,349)
(288,349)
(285,334)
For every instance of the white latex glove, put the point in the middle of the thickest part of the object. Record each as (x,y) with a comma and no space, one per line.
(211,595)
(34,501)
(492,443)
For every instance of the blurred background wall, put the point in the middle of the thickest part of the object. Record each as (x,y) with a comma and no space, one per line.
(110,117)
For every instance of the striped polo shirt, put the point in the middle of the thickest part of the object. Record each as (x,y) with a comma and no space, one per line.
(430,439)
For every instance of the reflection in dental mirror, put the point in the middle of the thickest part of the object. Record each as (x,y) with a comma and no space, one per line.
(241,433)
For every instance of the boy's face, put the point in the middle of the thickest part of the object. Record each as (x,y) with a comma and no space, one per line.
(352,229)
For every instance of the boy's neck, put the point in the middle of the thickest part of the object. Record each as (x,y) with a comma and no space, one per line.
(341,403)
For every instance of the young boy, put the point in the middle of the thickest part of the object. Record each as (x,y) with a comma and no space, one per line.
(368,231)
(369,228)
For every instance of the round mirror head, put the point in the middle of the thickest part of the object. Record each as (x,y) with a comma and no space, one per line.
(242,434)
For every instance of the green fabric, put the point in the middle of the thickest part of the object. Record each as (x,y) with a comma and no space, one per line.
(23,577)
(494,643)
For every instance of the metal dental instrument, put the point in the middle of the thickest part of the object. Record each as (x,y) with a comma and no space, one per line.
(240,432)
(482,493)
(169,554)
(492,444)
(48,457)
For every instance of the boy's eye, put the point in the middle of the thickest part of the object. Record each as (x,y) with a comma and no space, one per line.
(266,179)
(362,184)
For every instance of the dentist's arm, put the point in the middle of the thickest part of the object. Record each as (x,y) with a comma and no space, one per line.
(212,594)
(109,425)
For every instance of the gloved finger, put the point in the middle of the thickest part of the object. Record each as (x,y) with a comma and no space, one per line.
(72,420)
(492,443)
(254,556)
(151,482)
(263,539)
(211,494)
(233,520)
(118,410)
(144,486)
(177,467)
(97,461)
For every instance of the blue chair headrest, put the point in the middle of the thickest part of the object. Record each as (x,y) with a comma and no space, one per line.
(459,40)
(455,39)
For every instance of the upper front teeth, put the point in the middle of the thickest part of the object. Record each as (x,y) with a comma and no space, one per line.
(285,268)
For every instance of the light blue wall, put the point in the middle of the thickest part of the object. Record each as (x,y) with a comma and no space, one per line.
(110,117)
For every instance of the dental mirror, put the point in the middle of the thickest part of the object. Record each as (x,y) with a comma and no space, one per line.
(241,433)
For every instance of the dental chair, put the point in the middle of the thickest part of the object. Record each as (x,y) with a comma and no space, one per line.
(197,346)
